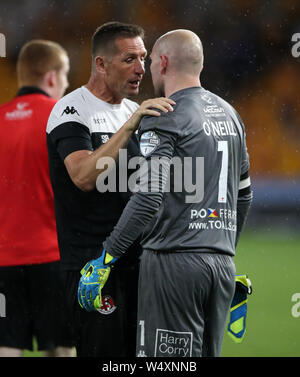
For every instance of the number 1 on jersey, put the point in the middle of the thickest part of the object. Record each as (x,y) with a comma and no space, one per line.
(142,339)
(222,195)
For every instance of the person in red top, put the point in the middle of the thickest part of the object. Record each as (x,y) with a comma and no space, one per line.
(29,256)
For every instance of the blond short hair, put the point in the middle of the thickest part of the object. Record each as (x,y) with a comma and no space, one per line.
(36,58)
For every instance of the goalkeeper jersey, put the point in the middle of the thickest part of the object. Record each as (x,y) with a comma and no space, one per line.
(195,165)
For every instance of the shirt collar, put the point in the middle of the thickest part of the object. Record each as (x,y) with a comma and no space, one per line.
(24,90)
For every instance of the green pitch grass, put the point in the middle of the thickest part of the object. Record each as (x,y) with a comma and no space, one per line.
(272,262)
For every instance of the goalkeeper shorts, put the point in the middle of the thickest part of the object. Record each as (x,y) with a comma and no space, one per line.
(183,304)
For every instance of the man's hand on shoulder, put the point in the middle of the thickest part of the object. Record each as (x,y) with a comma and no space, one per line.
(150,107)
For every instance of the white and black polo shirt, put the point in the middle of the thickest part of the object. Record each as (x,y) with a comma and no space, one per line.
(81,121)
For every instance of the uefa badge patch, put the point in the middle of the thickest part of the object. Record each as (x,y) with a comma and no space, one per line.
(149,142)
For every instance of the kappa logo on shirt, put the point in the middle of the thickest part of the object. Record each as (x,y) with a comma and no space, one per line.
(69,110)
(141,353)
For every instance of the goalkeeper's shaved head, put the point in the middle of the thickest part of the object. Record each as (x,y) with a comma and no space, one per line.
(184,50)
(177,61)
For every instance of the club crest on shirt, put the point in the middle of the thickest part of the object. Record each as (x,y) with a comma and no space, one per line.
(149,141)
(108,305)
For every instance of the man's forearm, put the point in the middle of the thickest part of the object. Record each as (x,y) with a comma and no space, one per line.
(133,221)
(90,167)
(141,208)
(83,166)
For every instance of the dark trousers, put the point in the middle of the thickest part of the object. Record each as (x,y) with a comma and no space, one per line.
(111,331)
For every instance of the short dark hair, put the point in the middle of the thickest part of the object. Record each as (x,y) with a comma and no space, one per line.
(106,34)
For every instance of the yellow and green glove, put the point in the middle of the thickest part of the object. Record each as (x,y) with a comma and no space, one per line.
(93,278)
(238,310)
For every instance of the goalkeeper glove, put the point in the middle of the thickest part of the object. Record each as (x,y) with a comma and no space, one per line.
(238,311)
(93,278)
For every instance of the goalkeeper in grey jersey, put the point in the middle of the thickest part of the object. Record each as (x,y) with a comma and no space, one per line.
(192,201)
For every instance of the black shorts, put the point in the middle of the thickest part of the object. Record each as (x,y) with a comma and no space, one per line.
(34,307)
(111,331)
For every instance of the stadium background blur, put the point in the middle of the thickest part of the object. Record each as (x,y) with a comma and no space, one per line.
(248,61)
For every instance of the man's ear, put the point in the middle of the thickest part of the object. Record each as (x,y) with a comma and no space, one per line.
(163,64)
(100,64)
(50,79)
